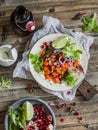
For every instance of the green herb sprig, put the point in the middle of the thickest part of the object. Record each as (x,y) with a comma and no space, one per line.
(4,82)
(17,119)
(90,24)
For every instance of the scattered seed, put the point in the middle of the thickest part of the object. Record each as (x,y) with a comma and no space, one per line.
(91,46)
(62,120)
(73,103)
(58,106)
(30,88)
(76,113)
(70,109)
(49,104)
(60,115)
(68,93)
(79,118)
(63,105)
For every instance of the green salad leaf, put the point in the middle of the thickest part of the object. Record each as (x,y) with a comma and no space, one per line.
(90,24)
(17,119)
(37,61)
(70,79)
(69,50)
(4,82)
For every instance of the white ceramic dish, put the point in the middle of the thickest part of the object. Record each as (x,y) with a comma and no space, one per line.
(41,79)
(6,61)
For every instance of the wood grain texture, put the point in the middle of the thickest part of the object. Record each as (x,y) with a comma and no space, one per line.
(64,10)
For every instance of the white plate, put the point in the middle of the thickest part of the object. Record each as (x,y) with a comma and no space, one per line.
(40,78)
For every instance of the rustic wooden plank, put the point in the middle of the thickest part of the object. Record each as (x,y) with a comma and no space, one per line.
(1,126)
(66,7)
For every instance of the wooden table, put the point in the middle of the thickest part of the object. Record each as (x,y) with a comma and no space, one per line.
(64,10)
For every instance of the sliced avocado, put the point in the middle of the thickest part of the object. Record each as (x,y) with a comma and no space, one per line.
(60,42)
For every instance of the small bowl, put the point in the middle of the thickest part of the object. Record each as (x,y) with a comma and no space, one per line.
(18,103)
(6,61)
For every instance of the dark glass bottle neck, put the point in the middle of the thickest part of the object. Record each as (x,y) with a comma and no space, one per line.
(22,13)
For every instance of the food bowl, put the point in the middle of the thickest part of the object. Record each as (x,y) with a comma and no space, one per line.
(40,78)
(19,103)
(6,60)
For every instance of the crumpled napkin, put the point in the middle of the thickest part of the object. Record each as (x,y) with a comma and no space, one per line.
(52,25)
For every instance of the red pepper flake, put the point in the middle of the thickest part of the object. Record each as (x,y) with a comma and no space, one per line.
(62,120)
(68,93)
(76,113)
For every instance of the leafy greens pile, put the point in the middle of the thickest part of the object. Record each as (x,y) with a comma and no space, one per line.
(17,119)
(37,60)
(90,24)
(4,82)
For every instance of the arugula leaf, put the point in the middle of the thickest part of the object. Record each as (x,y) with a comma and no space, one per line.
(17,119)
(4,82)
(90,24)
(70,79)
(37,61)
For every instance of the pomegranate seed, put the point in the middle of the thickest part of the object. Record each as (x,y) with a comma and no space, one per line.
(79,118)
(42,46)
(49,104)
(42,120)
(58,106)
(68,93)
(76,113)
(62,120)
(73,103)
(63,105)
(91,46)
(46,43)
(49,117)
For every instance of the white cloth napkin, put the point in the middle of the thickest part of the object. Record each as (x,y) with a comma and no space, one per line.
(52,25)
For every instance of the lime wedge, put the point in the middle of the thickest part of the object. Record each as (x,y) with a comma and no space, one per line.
(59,42)
(28,110)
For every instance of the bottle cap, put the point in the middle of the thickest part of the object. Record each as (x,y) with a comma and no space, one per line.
(30,26)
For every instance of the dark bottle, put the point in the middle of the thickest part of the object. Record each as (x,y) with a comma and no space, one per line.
(22,21)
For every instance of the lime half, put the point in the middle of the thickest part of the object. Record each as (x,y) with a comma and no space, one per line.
(59,42)
(28,110)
